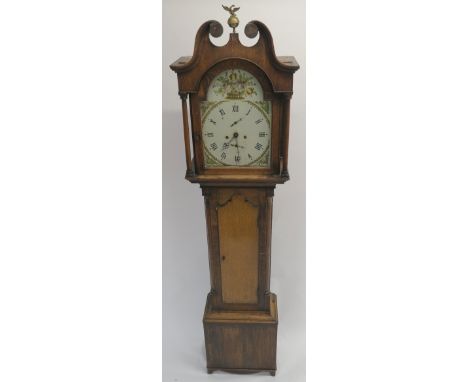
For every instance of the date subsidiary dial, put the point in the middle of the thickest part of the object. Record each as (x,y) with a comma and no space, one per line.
(236,133)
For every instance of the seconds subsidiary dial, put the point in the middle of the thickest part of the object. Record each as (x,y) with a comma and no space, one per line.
(236,133)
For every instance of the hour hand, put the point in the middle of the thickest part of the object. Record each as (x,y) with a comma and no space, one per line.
(227,144)
(236,122)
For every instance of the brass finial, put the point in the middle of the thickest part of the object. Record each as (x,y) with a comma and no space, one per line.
(233,21)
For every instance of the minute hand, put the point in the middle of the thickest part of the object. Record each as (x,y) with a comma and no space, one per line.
(237,147)
(236,122)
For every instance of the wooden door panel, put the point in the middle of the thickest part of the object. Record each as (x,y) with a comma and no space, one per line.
(239,243)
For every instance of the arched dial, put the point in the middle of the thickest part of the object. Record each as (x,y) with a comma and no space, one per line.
(236,133)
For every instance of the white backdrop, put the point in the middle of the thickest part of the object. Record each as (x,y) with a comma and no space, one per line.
(80,171)
(185,254)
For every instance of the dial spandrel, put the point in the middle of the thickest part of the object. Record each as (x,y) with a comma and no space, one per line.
(236,122)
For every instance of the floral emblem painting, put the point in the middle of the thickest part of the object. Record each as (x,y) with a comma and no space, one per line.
(236,84)
(236,121)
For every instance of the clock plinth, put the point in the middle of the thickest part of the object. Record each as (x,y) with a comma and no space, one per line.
(241,341)
(237,122)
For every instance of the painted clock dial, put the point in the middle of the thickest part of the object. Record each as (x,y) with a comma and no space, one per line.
(236,122)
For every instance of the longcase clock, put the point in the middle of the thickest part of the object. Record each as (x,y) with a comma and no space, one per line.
(237,122)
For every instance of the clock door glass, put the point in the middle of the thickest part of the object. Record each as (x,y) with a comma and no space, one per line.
(236,122)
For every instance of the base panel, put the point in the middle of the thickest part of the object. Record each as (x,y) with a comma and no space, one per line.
(241,341)
(242,371)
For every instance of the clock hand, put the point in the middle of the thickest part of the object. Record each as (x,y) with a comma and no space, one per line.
(237,146)
(236,122)
(235,135)
(231,139)
(241,147)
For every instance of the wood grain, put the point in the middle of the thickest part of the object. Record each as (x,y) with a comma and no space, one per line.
(242,342)
(238,237)
(239,229)
(275,75)
(240,320)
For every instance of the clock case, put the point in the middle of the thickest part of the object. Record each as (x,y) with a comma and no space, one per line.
(240,319)
(275,75)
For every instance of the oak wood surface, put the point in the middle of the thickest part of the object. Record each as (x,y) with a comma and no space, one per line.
(241,341)
(238,236)
(270,315)
(240,320)
(247,251)
(188,155)
(275,75)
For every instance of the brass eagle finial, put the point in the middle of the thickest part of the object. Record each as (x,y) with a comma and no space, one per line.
(233,21)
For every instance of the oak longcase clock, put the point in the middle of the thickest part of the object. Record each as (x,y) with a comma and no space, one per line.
(236,133)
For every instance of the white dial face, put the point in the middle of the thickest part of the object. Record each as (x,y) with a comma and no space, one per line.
(236,133)
(236,122)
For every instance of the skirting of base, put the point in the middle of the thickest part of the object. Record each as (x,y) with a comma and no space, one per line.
(242,371)
(241,341)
